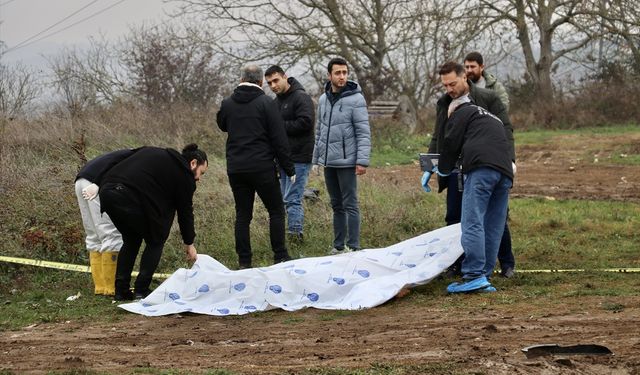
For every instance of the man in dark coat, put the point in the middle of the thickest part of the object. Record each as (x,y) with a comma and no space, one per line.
(476,142)
(142,194)
(488,100)
(256,140)
(298,114)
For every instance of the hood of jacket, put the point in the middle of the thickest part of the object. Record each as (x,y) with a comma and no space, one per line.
(246,93)
(489,78)
(349,89)
(294,86)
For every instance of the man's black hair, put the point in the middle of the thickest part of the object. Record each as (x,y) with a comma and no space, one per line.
(451,66)
(474,56)
(191,151)
(273,69)
(336,61)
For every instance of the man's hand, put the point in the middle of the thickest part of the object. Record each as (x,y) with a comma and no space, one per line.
(513,166)
(360,170)
(90,192)
(426,176)
(292,179)
(192,254)
(315,169)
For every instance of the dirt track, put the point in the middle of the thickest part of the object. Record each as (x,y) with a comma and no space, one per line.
(469,339)
(281,342)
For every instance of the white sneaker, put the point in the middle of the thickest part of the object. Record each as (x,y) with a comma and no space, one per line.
(335,251)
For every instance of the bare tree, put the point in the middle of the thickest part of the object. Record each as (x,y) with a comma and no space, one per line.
(619,22)
(18,89)
(553,23)
(383,40)
(87,77)
(167,65)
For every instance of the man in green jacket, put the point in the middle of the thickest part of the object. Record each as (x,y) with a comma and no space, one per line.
(474,66)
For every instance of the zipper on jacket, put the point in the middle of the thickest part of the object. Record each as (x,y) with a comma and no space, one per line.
(326,150)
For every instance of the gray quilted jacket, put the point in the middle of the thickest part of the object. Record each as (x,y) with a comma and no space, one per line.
(343,137)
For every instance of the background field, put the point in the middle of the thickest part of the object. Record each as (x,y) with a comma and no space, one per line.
(576,204)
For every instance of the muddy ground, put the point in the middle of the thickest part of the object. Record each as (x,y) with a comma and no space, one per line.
(402,332)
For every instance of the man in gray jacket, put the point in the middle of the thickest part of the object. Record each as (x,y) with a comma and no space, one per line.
(342,146)
(474,66)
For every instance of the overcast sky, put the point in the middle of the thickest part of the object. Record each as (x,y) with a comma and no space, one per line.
(25,19)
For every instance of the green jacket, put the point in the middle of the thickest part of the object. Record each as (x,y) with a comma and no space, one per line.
(484,98)
(493,84)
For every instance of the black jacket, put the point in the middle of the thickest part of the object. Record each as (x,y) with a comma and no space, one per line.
(255,130)
(164,184)
(97,167)
(479,138)
(484,98)
(298,113)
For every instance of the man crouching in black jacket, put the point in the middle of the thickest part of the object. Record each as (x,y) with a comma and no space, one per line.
(142,194)
(256,139)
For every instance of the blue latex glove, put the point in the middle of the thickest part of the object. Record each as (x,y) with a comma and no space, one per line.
(425,181)
(437,171)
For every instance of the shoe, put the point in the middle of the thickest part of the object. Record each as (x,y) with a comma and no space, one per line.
(295,238)
(126,295)
(508,272)
(109,264)
(95,261)
(469,286)
(141,294)
(244,266)
(452,272)
(281,259)
(336,251)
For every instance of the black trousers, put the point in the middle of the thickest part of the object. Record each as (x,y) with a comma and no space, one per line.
(266,185)
(127,215)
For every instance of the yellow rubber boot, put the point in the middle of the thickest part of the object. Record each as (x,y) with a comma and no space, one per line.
(109,263)
(95,261)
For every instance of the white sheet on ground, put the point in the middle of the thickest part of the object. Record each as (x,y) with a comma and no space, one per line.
(350,281)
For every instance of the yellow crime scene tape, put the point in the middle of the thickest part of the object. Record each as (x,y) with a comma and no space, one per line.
(63,266)
(81,268)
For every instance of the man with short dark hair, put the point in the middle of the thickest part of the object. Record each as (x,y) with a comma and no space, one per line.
(296,108)
(454,80)
(142,194)
(474,66)
(342,146)
(255,140)
(475,141)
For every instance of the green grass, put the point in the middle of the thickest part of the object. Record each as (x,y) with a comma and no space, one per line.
(542,136)
(44,223)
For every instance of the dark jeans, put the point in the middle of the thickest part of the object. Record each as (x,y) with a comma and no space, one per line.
(127,215)
(244,187)
(454,214)
(342,185)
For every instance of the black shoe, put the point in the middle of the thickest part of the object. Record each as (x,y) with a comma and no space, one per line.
(244,266)
(125,295)
(508,272)
(452,272)
(282,258)
(141,294)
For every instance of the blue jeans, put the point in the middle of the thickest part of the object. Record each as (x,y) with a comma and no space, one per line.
(484,212)
(292,194)
(453,214)
(342,185)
